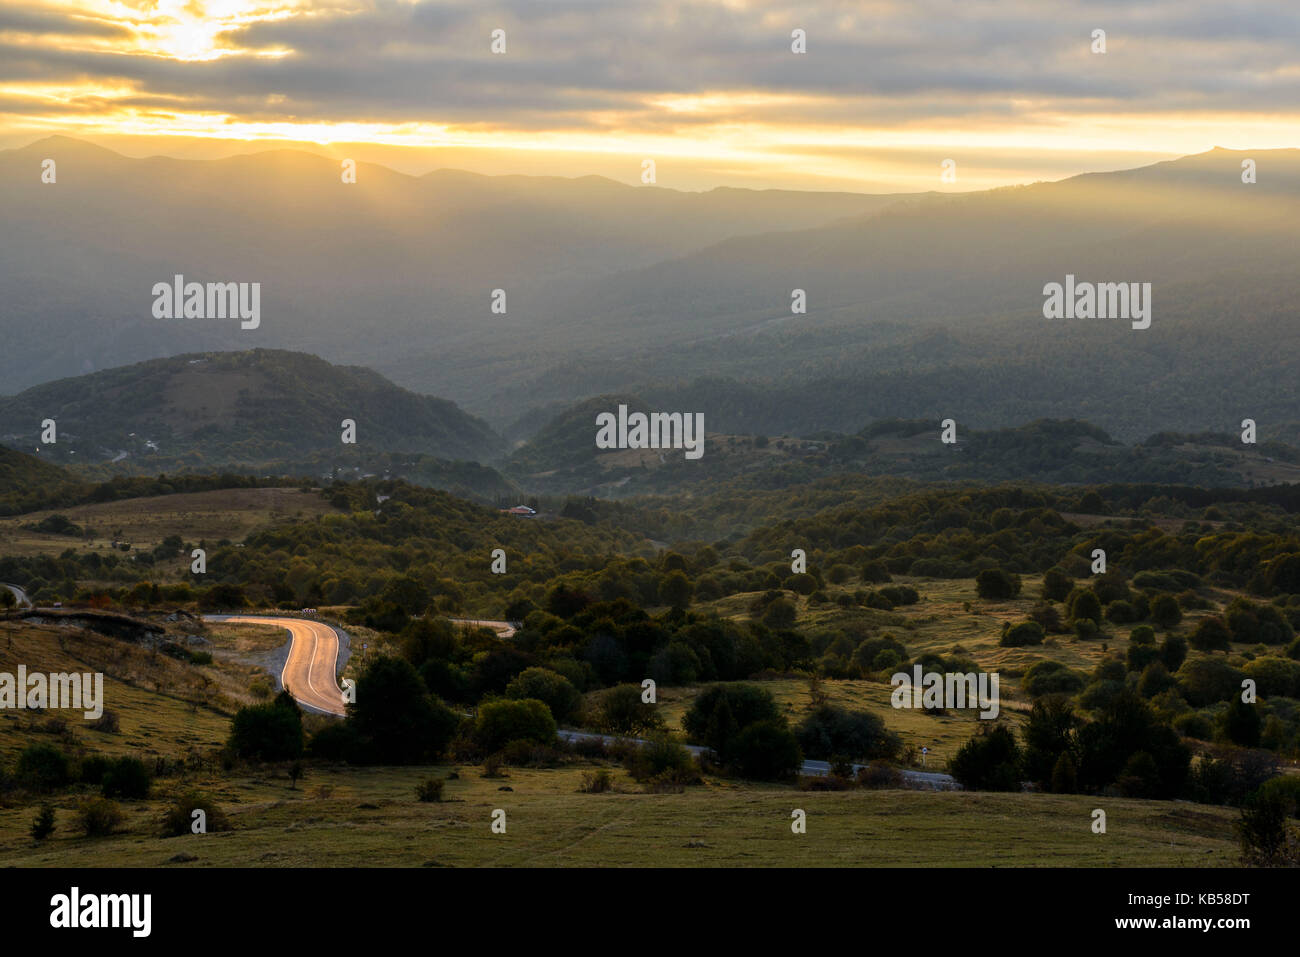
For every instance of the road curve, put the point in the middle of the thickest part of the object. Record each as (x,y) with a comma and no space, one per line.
(310,671)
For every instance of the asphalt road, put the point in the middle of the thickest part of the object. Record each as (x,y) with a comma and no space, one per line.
(23,600)
(819,769)
(311,670)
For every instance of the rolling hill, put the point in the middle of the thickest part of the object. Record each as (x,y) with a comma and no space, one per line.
(215,409)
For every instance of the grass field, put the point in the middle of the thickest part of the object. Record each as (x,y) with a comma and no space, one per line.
(368,817)
(164,706)
(145,522)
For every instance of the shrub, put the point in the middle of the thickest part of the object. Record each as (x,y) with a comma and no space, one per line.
(660,755)
(995,584)
(596,782)
(43,767)
(1065,776)
(989,761)
(503,721)
(268,732)
(93,769)
(830,730)
(1262,829)
(554,690)
(1021,635)
(98,816)
(179,817)
(1211,634)
(766,751)
(1194,725)
(1165,611)
(722,711)
(1050,677)
(126,778)
(878,775)
(429,791)
(620,710)
(337,741)
(43,824)
(1056,585)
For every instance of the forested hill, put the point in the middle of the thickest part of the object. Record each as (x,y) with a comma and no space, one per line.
(222,409)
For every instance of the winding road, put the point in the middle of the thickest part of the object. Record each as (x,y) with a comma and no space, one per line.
(310,671)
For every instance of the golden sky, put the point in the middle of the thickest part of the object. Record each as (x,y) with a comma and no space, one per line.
(1011,91)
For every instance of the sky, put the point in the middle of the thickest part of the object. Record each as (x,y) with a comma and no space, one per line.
(1010,91)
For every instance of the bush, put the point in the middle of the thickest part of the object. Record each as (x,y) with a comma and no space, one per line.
(1211,634)
(43,767)
(1050,677)
(1165,611)
(43,824)
(830,730)
(995,584)
(989,761)
(97,816)
(1056,585)
(596,782)
(179,819)
(660,756)
(503,721)
(395,716)
(93,769)
(878,775)
(766,751)
(1263,829)
(268,732)
(1085,606)
(126,778)
(620,710)
(554,690)
(1194,725)
(429,791)
(1065,776)
(337,741)
(722,711)
(1019,636)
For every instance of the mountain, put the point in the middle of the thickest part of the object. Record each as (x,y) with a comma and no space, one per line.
(215,409)
(562,458)
(921,306)
(933,307)
(393,269)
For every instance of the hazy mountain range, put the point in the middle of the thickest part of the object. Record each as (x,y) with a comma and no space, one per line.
(921,306)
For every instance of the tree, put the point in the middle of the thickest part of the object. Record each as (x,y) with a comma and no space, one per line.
(268,732)
(43,767)
(555,690)
(620,710)
(1211,634)
(1241,723)
(1056,585)
(1021,635)
(675,589)
(1049,735)
(995,584)
(721,711)
(501,722)
(859,735)
(1165,611)
(43,824)
(399,721)
(1065,777)
(989,761)
(767,751)
(1085,606)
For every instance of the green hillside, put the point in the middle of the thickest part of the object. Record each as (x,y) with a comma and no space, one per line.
(237,408)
